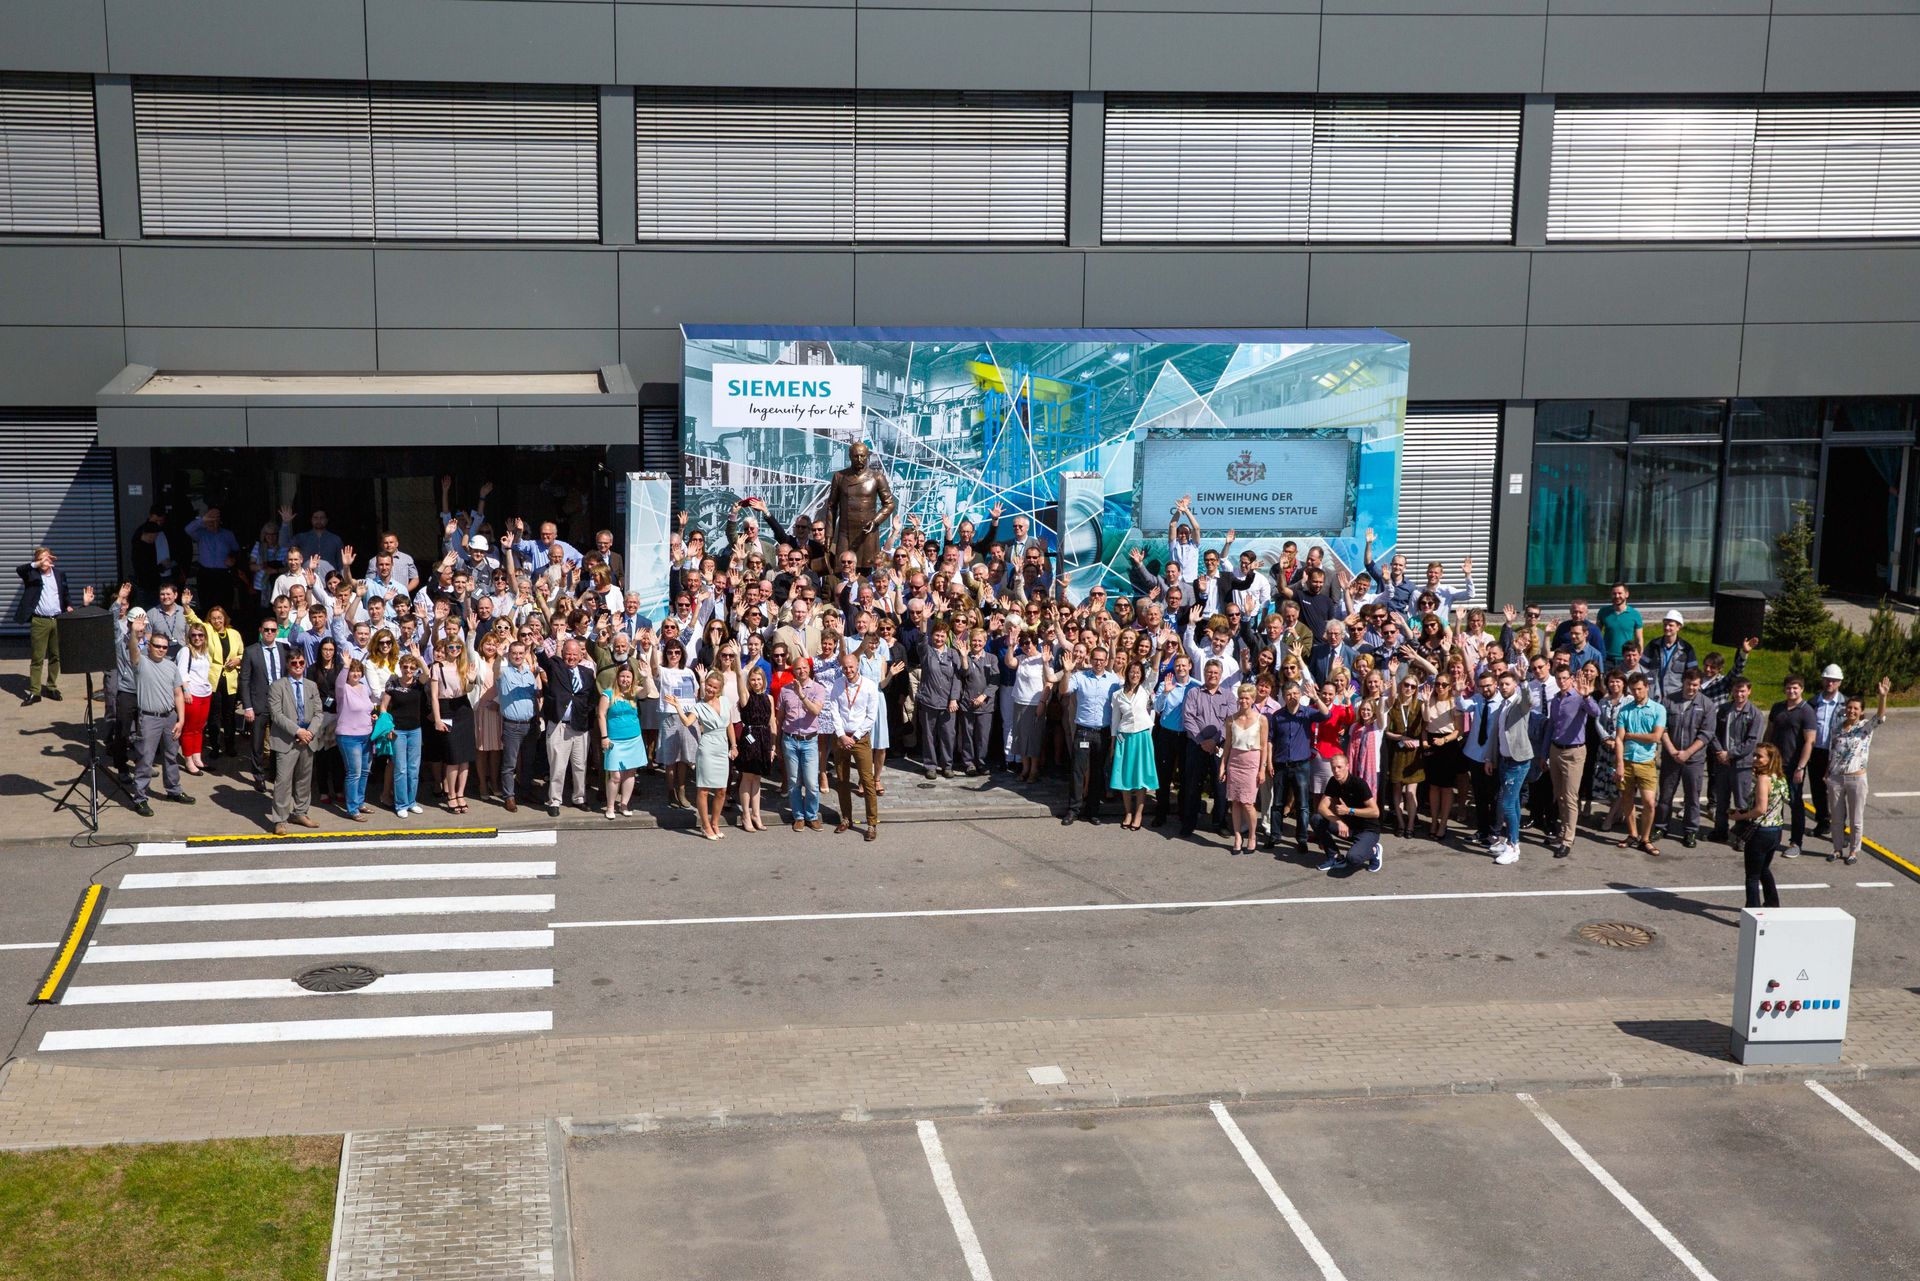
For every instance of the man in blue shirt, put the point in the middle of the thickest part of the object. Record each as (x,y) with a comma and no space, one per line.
(1482,744)
(518,689)
(1089,715)
(1580,648)
(1292,729)
(215,552)
(1643,730)
(1170,733)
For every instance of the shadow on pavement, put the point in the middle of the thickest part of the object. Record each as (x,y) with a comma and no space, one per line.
(1719,913)
(1705,1037)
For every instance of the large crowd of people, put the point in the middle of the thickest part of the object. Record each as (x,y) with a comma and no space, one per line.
(1217,694)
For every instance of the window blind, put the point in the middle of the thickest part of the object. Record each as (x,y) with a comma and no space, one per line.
(49,173)
(1836,169)
(829,166)
(56,490)
(1244,168)
(1448,469)
(329,159)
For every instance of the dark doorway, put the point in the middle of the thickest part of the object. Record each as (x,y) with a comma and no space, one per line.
(1859,517)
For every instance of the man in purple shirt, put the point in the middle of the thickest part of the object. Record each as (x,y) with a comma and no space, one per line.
(1567,712)
(799,709)
(1205,716)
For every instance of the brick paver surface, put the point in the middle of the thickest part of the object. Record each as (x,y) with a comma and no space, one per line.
(930,1069)
(468,1204)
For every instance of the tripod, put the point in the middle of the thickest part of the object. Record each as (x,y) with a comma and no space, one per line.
(89,777)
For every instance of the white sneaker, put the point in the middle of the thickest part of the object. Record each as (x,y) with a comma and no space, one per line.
(416,810)
(1508,854)
(1790,851)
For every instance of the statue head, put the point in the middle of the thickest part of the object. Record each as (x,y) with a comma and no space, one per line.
(859,455)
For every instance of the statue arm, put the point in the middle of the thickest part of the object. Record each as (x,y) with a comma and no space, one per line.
(884,507)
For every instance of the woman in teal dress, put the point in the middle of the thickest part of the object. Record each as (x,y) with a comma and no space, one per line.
(625,753)
(712,721)
(1133,773)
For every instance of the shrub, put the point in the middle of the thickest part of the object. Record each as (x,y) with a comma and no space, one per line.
(1884,649)
(1797,619)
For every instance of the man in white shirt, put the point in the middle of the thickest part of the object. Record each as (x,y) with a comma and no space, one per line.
(848,718)
(1449,596)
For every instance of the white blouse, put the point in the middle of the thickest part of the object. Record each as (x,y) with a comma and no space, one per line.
(1132,712)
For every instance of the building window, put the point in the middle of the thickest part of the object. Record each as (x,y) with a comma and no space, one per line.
(1247,168)
(1449,463)
(1681,169)
(49,173)
(738,164)
(337,159)
(1763,484)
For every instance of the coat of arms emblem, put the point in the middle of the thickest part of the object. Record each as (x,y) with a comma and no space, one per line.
(1244,471)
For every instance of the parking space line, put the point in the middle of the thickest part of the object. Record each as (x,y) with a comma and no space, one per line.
(1620,1194)
(1281,1201)
(1873,1131)
(956,1209)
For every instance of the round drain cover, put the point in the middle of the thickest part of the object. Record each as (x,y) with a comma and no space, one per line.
(1615,934)
(337,978)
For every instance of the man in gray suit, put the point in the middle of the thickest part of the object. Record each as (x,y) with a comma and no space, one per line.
(293,713)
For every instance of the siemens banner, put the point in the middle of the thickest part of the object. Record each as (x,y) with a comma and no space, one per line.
(1094,434)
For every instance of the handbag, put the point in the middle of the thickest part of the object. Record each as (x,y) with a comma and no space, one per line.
(383,734)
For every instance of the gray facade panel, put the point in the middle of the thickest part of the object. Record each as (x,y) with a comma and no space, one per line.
(1652,54)
(569,425)
(1131,287)
(968,289)
(1818,360)
(1834,285)
(219,286)
(274,426)
(54,35)
(1202,52)
(322,39)
(1684,8)
(498,350)
(1463,362)
(1212,6)
(1857,54)
(1440,7)
(62,365)
(1389,289)
(536,41)
(667,287)
(680,44)
(252,349)
(1820,7)
(152,426)
(651,355)
(118,157)
(59,285)
(1382,53)
(986,49)
(1653,361)
(1638,287)
(496,289)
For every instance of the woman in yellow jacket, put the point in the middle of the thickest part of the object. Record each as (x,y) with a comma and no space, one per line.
(225,647)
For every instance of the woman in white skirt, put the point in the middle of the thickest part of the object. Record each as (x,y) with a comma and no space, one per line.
(678,743)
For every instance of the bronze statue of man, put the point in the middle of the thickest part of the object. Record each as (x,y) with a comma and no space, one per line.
(859,502)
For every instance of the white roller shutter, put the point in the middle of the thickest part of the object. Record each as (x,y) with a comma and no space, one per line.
(960,166)
(56,490)
(1661,171)
(254,158)
(1247,168)
(1187,167)
(486,162)
(1449,464)
(49,173)
(718,164)
(1836,169)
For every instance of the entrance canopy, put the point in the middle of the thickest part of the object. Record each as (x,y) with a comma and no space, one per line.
(144,407)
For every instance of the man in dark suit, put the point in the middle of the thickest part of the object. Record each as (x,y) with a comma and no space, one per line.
(293,714)
(569,705)
(264,663)
(43,598)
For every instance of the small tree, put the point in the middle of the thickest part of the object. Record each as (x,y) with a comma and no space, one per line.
(1797,619)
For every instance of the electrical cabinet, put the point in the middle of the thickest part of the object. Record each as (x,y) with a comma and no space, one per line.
(1793,985)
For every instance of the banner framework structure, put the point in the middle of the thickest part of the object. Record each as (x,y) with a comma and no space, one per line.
(1093,434)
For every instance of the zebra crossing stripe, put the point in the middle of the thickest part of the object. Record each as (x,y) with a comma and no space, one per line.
(333,841)
(273,989)
(322,908)
(338,945)
(339,875)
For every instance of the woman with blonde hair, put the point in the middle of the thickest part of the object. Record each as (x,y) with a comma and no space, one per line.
(714,753)
(226,648)
(625,752)
(197,674)
(1245,765)
(1400,736)
(487,728)
(451,679)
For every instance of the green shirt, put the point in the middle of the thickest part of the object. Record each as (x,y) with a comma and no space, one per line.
(1617,627)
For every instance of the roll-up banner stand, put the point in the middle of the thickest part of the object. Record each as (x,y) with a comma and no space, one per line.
(1082,496)
(649,524)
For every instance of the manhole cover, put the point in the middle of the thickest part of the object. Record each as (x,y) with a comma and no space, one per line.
(1615,934)
(337,978)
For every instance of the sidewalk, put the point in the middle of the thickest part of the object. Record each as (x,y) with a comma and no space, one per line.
(792,1075)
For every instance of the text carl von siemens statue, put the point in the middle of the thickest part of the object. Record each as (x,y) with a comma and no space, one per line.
(858,502)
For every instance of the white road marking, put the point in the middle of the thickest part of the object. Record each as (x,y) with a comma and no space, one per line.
(1892,796)
(956,1209)
(1874,1132)
(1874,885)
(258,989)
(26,947)
(343,945)
(304,1030)
(1051,1074)
(338,875)
(1281,1201)
(320,908)
(1309,900)
(1620,1194)
(150,849)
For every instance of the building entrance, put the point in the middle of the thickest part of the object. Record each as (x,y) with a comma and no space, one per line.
(1860,525)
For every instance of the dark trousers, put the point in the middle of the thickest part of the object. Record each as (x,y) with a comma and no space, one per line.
(221,716)
(1087,786)
(1169,760)
(1293,778)
(1201,774)
(1797,804)
(1817,784)
(1690,777)
(514,758)
(976,734)
(1761,844)
(1486,795)
(1732,790)
(1360,845)
(936,735)
(125,730)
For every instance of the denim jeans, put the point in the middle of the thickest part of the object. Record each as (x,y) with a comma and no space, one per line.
(1292,777)
(1513,785)
(406,768)
(357,751)
(802,759)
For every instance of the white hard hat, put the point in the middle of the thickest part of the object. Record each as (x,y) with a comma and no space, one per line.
(1675,616)
(478,542)
(1833,673)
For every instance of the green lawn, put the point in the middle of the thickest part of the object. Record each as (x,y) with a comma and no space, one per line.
(230,1210)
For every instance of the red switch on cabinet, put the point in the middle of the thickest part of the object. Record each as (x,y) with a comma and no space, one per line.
(1793,1008)
(1765,1006)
